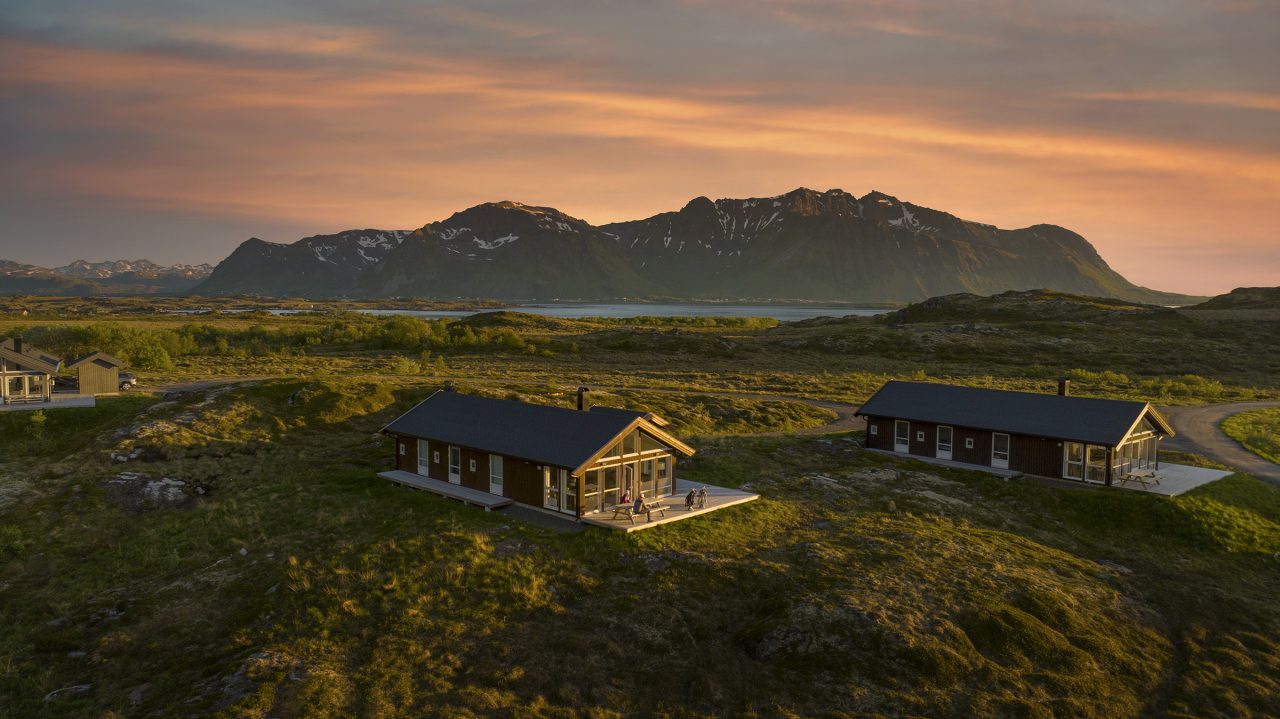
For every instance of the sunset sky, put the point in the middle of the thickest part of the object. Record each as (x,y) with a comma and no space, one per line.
(175,130)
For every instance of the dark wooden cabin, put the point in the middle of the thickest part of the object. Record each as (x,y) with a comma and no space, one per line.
(569,461)
(1047,435)
(99,373)
(26,373)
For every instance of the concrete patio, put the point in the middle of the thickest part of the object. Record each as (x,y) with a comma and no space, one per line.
(59,401)
(717,498)
(1176,479)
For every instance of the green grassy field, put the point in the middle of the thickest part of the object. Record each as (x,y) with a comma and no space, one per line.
(1258,431)
(286,580)
(230,552)
(1167,356)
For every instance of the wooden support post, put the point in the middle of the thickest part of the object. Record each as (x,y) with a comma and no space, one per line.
(1109,462)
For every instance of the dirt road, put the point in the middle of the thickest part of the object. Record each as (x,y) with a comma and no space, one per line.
(1198,432)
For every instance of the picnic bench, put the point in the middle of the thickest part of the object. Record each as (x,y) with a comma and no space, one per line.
(627,511)
(1145,477)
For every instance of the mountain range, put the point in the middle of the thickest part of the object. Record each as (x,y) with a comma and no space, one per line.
(804,245)
(81,278)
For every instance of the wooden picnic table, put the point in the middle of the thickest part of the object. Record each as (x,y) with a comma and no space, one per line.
(627,511)
(1145,477)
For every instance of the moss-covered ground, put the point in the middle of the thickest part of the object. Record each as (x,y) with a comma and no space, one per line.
(1258,431)
(283,579)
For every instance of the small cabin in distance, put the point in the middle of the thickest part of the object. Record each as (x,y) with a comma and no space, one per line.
(99,373)
(1046,435)
(26,373)
(571,462)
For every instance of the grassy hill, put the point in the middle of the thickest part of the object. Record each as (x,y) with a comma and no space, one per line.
(282,579)
(1244,298)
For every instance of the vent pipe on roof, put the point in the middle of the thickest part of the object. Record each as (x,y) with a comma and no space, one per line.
(448,385)
(1064,387)
(17,344)
(582,398)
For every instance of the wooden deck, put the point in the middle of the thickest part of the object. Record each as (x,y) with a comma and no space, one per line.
(445,489)
(1005,473)
(717,498)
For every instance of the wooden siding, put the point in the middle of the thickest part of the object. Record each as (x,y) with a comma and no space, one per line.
(1027,454)
(522,480)
(438,460)
(98,377)
(477,478)
(407,459)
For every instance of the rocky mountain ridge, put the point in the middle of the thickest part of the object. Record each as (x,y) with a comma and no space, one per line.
(115,277)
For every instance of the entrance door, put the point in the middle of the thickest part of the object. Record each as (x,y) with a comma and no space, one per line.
(1073,460)
(1096,463)
(495,474)
(424,461)
(999,450)
(629,481)
(944,443)
(901,435)
(560,490)
(455,465)
(550,488)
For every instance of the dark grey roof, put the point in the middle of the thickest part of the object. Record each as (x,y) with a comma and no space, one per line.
(92,356)
(1084,419)
(43,360)
(549,435)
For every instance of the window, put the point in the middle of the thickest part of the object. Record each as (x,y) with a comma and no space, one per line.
(613,451)
(664,476)
(944,439)
(455,461)
(649,444)
(495,474)
(569,498)
(435,456)
(472,465)
(874,430)
(402,452)
(968,442)
(646,478)
(610,486)
(629,444)
(920,435)
(591,491)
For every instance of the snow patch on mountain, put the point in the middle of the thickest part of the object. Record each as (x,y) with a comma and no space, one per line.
(495,243)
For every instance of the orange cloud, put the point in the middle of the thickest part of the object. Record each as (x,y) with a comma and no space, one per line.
(398,139)
(1221,98)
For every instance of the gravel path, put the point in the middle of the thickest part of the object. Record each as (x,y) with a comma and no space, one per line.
(1199,432)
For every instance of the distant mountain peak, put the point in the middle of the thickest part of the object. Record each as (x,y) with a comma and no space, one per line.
(879,197)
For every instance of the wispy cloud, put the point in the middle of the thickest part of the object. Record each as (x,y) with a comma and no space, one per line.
(1212,98)
(323,117)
